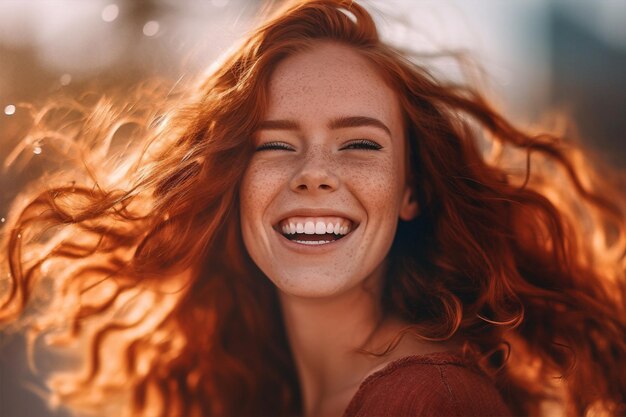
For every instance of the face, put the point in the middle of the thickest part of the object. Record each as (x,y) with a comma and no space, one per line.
(329,166)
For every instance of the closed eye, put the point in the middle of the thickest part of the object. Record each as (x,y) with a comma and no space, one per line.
(364,144)
(274,145)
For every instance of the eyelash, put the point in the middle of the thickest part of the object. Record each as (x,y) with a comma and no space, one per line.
(364,144)
(273,145)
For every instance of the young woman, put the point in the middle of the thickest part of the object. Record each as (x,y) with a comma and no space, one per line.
(324,229)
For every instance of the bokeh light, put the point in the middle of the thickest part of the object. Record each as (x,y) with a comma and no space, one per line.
(110,12)
(65,79)
(9,110)
(151,28)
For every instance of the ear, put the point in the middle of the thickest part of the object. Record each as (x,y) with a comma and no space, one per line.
(409,207)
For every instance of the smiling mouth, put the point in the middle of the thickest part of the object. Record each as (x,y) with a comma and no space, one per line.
(311,231)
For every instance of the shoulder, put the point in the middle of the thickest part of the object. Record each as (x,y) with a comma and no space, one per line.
(431,385)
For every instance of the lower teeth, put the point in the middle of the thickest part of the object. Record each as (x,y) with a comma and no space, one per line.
(313,242)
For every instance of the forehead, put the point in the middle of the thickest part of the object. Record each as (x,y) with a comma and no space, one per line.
(330,80)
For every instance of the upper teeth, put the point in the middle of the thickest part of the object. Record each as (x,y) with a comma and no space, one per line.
(316,225)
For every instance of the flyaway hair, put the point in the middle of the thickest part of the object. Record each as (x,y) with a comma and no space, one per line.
(134,258)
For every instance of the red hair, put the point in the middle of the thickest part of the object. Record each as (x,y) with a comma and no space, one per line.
(517,249)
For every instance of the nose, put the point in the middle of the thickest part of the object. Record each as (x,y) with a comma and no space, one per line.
(316,174)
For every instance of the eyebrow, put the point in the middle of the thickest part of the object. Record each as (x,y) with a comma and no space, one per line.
(337,123)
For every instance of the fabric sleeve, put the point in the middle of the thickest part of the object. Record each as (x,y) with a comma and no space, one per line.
(428,391)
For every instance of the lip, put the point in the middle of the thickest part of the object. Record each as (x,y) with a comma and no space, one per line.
(315,249)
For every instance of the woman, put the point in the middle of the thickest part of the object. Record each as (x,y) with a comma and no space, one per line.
(316,232)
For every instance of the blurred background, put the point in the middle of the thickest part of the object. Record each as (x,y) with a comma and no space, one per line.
(539,55)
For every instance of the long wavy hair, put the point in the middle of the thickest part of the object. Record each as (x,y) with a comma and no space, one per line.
(135,258)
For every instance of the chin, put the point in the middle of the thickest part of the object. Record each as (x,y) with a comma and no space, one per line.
(310,286)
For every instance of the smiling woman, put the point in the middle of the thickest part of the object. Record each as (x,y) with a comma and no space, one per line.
(319,231)
(337,123)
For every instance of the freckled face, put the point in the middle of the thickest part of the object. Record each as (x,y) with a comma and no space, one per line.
(325,166)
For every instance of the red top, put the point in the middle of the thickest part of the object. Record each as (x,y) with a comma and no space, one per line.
(437,384)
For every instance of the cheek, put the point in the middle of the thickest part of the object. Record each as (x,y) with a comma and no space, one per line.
(378,184)
(376,181)
(259,184)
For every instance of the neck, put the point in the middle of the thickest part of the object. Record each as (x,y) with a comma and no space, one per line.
(323,333)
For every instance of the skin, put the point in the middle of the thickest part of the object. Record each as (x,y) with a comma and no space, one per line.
(330,300)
